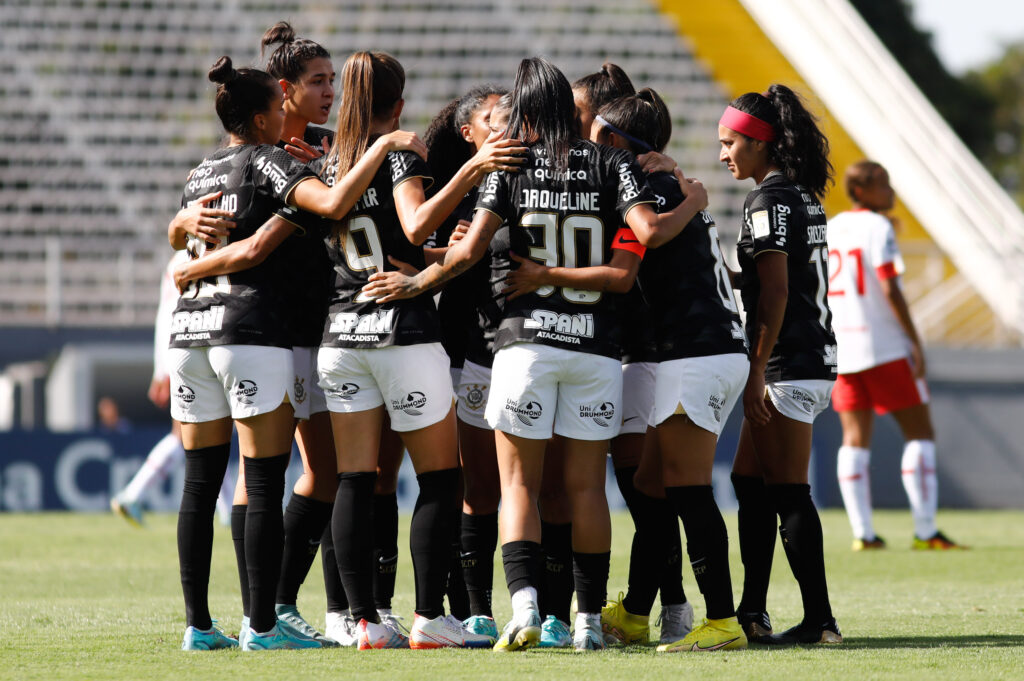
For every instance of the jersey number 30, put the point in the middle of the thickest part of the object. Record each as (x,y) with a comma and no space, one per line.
(550,247)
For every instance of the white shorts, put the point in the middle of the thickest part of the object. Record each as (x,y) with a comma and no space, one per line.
(703,388)
(411,381)
(800,400)
(239,381)
(309,396)
(637,397)
(537,389)
(471,395)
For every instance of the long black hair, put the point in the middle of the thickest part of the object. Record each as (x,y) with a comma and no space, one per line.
(542,103)
(447,149)
(241,94)
(799,148)
(600,88)
(642,116)
(288,61)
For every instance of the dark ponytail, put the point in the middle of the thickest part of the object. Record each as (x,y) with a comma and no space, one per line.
(447,149)
(799,149)
(642,116)
(542,103)
(611,82)
(288,61)
(241,94)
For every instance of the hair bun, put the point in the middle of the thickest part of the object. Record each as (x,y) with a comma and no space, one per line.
(223,72)
(281,32)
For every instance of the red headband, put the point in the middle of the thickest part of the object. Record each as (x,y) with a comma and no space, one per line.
(748,125)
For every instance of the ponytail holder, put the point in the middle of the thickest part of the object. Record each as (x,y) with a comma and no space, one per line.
(625,135)
(748,125)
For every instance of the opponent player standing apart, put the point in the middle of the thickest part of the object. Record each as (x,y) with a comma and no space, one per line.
(376,357)
(881,363)
(556,368)
(783,258)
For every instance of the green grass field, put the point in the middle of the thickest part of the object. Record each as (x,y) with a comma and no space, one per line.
(88,597)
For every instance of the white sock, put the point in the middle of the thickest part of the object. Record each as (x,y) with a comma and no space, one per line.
(165,454)
(524,599)
(922,485)
(585,618)
(855,485)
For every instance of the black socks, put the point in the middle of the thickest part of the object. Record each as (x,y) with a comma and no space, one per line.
(238,539)
(523,562)
(756,520)
(430,536)
(264,536)
(707,543)
(385,548)
(204,472)
(352,531)
(479,540)
(455,589)
(337,601)
(590,571)
(800,529)
(554,597)
(304,523)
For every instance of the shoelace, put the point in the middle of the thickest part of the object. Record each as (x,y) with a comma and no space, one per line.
(394,622)
(670,616)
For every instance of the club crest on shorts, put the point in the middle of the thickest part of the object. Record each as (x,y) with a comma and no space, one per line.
(300,390)
(602,414)
(186,394)
(526,413)
(245,391)
(411,405)
(475,396)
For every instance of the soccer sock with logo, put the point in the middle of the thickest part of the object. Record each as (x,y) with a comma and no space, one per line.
(590,573)
(430,536)
(337,601)
(671,588)
(304,523)
(523,562)
(707,543)
(855,486)
(458,597)
(264,536)
(556,585)
(479,540)
(800,529)
(204,469)
(161,458)
(756,520)
(238,540)
(922,485)
(385,548)
(352,532)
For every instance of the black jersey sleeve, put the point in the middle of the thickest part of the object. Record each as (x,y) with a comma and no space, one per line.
(495,195)
(406,165)
(768,219)
(276,172)
(632,188)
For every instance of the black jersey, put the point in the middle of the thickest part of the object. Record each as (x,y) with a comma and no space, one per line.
(783,217)
(456,303)
(489,300)
(360,248)
(308,283)
(693,312)
(242,308)
(566,219)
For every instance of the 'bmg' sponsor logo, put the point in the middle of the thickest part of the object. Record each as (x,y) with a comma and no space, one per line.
(245,391)
(602,414)
(526,413)
(412,403)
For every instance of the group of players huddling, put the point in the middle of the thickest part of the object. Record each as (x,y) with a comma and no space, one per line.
(584,308)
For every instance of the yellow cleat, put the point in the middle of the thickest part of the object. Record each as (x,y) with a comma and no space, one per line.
(936,542)
(874,543)
(723,634)
(623,626)
(520,635)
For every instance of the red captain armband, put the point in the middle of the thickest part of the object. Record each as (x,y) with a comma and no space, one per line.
(625,240)
(886,271)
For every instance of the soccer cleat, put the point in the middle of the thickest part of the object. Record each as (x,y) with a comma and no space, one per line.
(483,625)
(756,625)
(676,621)
(554,633)
(826,632)
(392,621)
(936,542)
(372,635)
(588,634)
(243,632)
(872,544)
(276,639)
(289,619)
(621,626)
(129,510)
(342,628)
(209,639)
(445,631)
(723,634)
(521,632)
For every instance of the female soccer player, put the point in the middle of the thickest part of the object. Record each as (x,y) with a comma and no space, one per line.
(783,258)
(556,367)
(230,358)
(881,363)
(593,91)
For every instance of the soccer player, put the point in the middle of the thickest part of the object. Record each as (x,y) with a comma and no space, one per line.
(593,91)
(881,364)
(783,255)
(556,366)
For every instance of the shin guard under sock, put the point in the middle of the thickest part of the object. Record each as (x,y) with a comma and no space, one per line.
(556,587)
(304,523)
(590,572)
(756,519)
(479,540)
(385,548)
(430,536)
(707,543)
(800,529)
(264,536)
(352,532)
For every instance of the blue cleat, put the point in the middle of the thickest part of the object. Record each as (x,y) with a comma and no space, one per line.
(210,639)
(554,633)
(482,625)
(277,639)
(292,623)
(130,511)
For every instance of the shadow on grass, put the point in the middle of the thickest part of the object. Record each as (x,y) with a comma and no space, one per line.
(897,642)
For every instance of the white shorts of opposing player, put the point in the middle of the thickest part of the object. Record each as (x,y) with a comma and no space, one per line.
(239,381)
(411,381)
(703,388)
(537,390)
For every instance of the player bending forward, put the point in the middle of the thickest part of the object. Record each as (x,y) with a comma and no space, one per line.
(881,365)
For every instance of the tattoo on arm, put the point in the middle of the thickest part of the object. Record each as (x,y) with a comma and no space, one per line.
(453,264)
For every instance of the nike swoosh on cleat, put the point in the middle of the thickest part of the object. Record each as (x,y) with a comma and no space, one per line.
(697,646)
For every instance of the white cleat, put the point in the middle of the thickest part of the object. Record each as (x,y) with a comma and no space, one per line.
(676,622)
(342,628)
(446,631)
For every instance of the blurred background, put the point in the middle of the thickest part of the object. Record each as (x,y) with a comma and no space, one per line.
(105,106)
